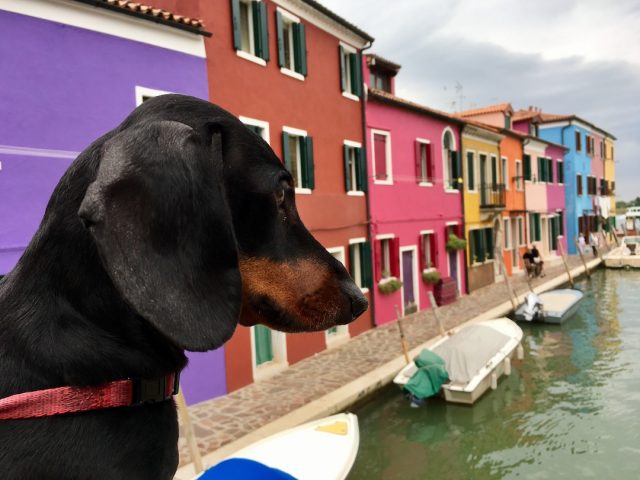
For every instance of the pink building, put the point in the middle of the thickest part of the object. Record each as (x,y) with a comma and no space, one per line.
(415,201)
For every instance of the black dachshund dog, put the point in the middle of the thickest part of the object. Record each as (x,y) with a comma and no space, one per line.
(160,237)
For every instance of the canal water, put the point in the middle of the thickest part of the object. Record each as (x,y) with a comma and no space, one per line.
(570,409)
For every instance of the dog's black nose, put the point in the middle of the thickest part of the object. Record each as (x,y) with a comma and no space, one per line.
(359,302)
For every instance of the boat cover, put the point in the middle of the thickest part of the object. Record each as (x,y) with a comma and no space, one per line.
(245,469)
(466,352)
(429,377)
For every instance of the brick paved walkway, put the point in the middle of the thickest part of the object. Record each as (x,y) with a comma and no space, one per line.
(224,419)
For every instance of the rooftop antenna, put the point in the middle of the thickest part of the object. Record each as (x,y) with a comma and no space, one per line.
(457,103)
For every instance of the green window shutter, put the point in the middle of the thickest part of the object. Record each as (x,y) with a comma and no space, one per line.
(286,157)
(358,70)
(365,262)
(549,170)
(456,170)
(532,228)
(488,235)
(361,170)
(347,169)
(308,169)
(261,30)
(470,171)
(235,18)
(343,67)
(300,48)
(263,344)
(560,223)
(538,232)
(352,260)
(540,169)
(356,77)
(280,33)
(494,172)
(527,167)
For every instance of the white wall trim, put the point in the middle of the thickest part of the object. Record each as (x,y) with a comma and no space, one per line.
(295,131)
(111,23)
(258,123)
(251,58)
(354,241)
(389,180)
(385,236)
(416,285)
(148,92)
(351,143)
(37,152)
(427,232)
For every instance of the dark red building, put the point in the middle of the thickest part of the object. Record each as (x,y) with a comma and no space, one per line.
(291,70)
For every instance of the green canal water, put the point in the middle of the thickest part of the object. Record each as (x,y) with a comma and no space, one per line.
(570,409)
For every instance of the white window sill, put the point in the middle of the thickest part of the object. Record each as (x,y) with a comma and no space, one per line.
(383,182)
(337,339)
(292,74)
(364,289)
(355,193)
(269,369)
(351,96)
(425,184)
(251,57)
(304,191)
(428,270)
(449,190)
(472,191)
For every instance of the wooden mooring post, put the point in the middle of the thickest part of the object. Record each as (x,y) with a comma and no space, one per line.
(584,262)
(436,313)
(188,432)
(563,255)
(403,340)
(512,293)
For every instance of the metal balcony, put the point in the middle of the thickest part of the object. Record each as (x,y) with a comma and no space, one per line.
(492,195)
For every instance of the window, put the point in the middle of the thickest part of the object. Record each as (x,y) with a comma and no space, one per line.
(553,232)
(350,71)
(518,177)
(481,245)
(297,152)
(507,121)
(560,222)
(507,234)
(424,162)
(143,94)
(386,256)
(292,46)
(527,166)
(428,250)
(380,80)
(340,333)
(549,170)
(603,187)
(494,172)
(452,162)
(263,344)
(587,141)
(471,174)
(545,170)
(381,157)
(591,185)
(250,31)
(534,227)
(355,174)
(602,150)
(578,142)
(360,262)
(560,169)
(521,240)
(258,127)
(579,183)
(505,172)
(533,129)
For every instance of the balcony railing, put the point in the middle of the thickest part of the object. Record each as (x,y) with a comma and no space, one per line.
(492,195)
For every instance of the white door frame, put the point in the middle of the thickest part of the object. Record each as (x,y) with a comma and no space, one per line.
(458,254)
(279,362)
(416,291)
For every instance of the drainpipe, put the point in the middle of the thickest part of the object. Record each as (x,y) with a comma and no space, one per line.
(466,269)
(363,100)
(565,188)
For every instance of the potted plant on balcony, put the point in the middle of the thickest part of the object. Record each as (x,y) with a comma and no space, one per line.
(455,243)
(389,284)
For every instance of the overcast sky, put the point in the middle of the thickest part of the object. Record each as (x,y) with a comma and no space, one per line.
(565,56)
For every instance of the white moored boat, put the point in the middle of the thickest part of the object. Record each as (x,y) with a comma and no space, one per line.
(323,449)
(475,357)
(627,255)
(554,306)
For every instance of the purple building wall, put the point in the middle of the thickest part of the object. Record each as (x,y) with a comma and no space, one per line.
(555,191)
(61,88)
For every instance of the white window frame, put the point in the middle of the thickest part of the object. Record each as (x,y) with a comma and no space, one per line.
(279,362)
(354,192)
(142,92)
(424,141)
(432,235)
(359,241)
(385,258)
(251,54)
(519,176)
(389,163)
(347,49)
(507,240)
(476,178)
(290,19)
(258,123)
(445,160)
(522,234)
(342,334)
(505,172)
(296,132)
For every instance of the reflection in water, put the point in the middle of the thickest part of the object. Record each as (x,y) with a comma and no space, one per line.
(569,409)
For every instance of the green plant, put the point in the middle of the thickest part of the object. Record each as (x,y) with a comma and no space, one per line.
(410,308)
(432,277)
(389,286)
(455,243)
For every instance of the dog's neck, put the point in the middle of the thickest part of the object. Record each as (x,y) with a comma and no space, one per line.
(62,322)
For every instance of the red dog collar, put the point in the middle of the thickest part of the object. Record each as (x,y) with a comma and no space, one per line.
(57,401)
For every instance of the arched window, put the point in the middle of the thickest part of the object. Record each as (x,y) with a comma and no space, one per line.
(450,157)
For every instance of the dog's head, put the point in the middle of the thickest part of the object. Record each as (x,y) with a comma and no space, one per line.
(196,224)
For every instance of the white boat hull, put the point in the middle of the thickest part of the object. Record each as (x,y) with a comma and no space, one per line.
(488,376)
(558,306)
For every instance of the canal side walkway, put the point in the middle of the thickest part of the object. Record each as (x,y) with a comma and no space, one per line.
(332,380)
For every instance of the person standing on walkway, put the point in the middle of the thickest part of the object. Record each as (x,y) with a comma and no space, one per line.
(537,260)
(594,242)
(582,244)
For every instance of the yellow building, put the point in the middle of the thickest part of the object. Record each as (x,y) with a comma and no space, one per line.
(610,172)
(484,200)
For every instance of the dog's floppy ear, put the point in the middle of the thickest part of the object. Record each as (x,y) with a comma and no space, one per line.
(158,214)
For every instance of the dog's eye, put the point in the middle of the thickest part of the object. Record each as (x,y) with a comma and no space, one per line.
(279,194)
